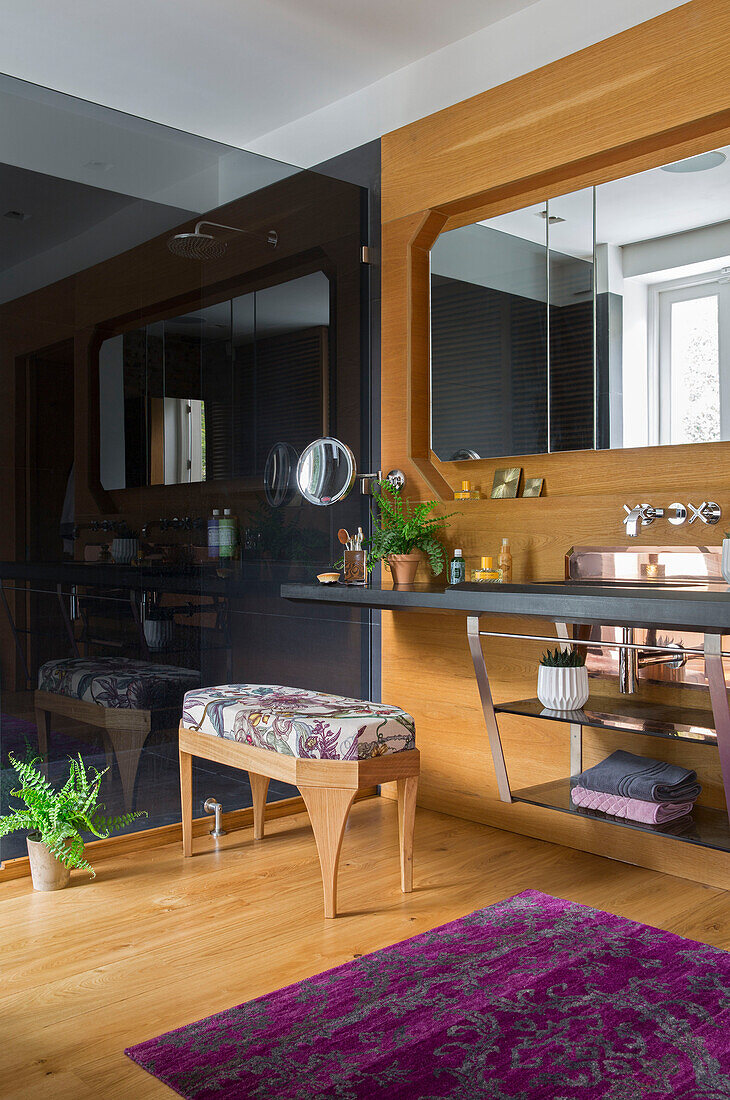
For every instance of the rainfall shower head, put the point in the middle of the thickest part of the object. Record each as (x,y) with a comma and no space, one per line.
(204,246)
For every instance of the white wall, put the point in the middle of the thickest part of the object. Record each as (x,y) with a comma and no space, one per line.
(231,70)
(544,32)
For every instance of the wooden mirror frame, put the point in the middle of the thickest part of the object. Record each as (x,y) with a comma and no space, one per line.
(612,110)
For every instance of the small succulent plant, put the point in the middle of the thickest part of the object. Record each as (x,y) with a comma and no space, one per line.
(563,658)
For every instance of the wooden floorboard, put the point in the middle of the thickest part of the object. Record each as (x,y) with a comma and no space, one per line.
(156,941)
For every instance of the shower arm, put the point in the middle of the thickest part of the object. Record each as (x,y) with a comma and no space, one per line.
(272,237)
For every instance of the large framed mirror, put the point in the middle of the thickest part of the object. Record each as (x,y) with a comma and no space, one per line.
(598,319)
(190,398)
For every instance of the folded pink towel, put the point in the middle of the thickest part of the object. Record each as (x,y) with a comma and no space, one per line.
(634,809)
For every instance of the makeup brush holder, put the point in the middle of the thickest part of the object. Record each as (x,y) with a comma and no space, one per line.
(355,567)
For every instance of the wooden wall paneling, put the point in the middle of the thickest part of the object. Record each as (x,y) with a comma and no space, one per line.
(643,98)
(654,83)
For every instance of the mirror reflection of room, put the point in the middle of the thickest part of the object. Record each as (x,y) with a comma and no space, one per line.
(597,319)
(189,398)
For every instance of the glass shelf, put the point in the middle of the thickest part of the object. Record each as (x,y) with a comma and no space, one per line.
(650,719)
(704,826)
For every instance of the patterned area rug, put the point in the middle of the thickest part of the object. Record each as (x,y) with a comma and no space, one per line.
(531,998)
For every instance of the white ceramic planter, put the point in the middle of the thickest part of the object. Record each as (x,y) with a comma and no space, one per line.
(562,688)
(726,560)
(125,550)
(159,633)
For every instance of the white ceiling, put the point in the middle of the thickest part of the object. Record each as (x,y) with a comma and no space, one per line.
(229,69)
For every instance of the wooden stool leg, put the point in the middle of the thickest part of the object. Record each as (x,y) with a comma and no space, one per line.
(328,808)
(127,745)
(108,755)
(186,800)
(259,789)
(407,793)
(43,725)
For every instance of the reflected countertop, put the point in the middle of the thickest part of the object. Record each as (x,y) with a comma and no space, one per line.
(205,578)
(697,606)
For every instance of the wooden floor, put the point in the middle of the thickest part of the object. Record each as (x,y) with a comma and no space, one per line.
(155,942)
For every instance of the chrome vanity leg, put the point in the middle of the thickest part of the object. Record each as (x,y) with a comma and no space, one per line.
(715,674)
(576,730)
(490,718)
(576,748)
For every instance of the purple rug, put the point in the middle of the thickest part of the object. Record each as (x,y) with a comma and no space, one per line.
(19,736)
(532,997)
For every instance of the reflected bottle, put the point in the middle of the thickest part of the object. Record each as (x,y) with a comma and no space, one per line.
(214,534)
(228,535)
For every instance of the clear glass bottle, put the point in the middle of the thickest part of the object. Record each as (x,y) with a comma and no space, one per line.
(486,571)
(467,493)
(457,568)
(504,561)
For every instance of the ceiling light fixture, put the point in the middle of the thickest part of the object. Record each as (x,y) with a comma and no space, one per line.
(703,162)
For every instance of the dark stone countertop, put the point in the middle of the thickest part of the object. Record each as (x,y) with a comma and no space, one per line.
(701,608)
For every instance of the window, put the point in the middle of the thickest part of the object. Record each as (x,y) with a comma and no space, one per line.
(690,402)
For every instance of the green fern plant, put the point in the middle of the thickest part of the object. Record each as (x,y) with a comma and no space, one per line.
(401,527)
(59,817)
(563,658)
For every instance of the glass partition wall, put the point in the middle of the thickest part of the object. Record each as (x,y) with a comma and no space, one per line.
(154,371)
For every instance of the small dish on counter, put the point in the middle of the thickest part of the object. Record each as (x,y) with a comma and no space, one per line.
(328,578)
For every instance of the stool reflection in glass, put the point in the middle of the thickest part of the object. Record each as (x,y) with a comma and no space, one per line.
(355,567)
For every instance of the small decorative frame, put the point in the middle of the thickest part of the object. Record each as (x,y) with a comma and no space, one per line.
(506,482)
(533,486)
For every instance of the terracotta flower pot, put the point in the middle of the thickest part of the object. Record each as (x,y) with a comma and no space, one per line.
(404,566)
(47,872)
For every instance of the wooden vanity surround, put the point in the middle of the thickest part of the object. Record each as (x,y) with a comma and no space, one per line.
(651,95)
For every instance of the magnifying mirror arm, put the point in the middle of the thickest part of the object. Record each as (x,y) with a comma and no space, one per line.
(395,478)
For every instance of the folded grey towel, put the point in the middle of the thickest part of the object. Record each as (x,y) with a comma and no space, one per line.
(641,777)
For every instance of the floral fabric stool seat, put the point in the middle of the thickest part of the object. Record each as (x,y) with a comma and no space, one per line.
(124,698)
(329,746)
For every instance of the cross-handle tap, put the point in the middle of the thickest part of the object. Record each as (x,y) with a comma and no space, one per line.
(177,523)
(709,512)
(643,514)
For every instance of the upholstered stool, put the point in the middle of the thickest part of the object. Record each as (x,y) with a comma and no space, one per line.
(125,699)
(328,746)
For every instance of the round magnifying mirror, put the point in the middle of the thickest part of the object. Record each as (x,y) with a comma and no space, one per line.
(279,474)
(326,471)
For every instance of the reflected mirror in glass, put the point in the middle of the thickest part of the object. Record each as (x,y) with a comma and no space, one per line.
(598,319)
(326,471)
(280,474)
(205,395)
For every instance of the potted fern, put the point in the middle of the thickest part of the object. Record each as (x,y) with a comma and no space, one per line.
(55,820)
(403,532)
(562,680)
